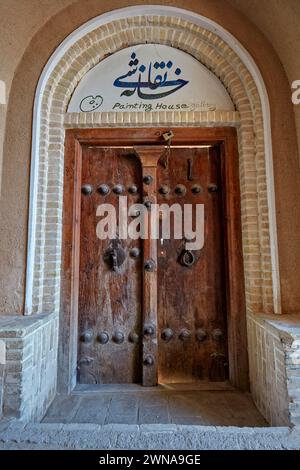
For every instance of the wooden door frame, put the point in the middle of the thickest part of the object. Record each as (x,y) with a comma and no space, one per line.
(226,137)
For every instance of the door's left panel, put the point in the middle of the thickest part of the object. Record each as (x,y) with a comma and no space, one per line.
(110,282)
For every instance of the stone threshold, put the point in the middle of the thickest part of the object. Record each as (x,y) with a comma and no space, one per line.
(165,388)
(145,436)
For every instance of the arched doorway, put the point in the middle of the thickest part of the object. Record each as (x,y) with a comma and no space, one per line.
(66,69)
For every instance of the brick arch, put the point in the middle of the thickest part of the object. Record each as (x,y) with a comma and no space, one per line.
(217,55)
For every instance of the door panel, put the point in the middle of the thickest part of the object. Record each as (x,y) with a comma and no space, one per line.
(191,300)
(109,300)
(186,305)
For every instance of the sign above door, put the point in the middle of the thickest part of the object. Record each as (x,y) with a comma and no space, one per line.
(149,77)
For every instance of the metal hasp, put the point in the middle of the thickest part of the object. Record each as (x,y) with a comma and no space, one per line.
(115,255)
(190,169)
(149,157)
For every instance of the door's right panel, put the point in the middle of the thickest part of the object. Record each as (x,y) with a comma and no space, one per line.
(191,289)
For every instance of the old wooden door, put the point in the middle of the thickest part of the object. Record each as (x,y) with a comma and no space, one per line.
(110,284)
(149,310)
(191,292)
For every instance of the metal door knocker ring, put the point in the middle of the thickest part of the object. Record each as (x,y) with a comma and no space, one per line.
(187,258)
(115,255)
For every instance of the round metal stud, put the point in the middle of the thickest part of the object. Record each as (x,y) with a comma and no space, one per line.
(147,204)
(87,336)
(149,330)
(103,189)
(167,334)
(212,188)
(103,337)
(217,334)
(133,338)
(134,252)
(164,189)
(180,190)
(149,360)
(201,335)
(197,189)
(133,189)
(87,189)
(147,179)
(184,334)
(118,189)
(149,265)
(118,337)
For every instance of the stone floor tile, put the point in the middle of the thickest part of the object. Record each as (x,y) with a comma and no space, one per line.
(123,404)
(92,409)
(155,399)
(63,408)
(153,414)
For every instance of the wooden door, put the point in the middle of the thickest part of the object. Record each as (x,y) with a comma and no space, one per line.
(191,285)
(99,302)
(110,283)
(167,323)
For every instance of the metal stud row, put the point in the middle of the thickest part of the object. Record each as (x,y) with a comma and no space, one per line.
(103,337)
(181,190)
(104,189)
(167,334)
(185,334)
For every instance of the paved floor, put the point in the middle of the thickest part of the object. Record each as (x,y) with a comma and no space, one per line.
(187,405)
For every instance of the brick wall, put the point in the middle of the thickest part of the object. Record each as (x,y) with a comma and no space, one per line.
(29,382)
(274,362)
(217,56)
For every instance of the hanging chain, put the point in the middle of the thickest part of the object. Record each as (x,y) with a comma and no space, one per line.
(168,136)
